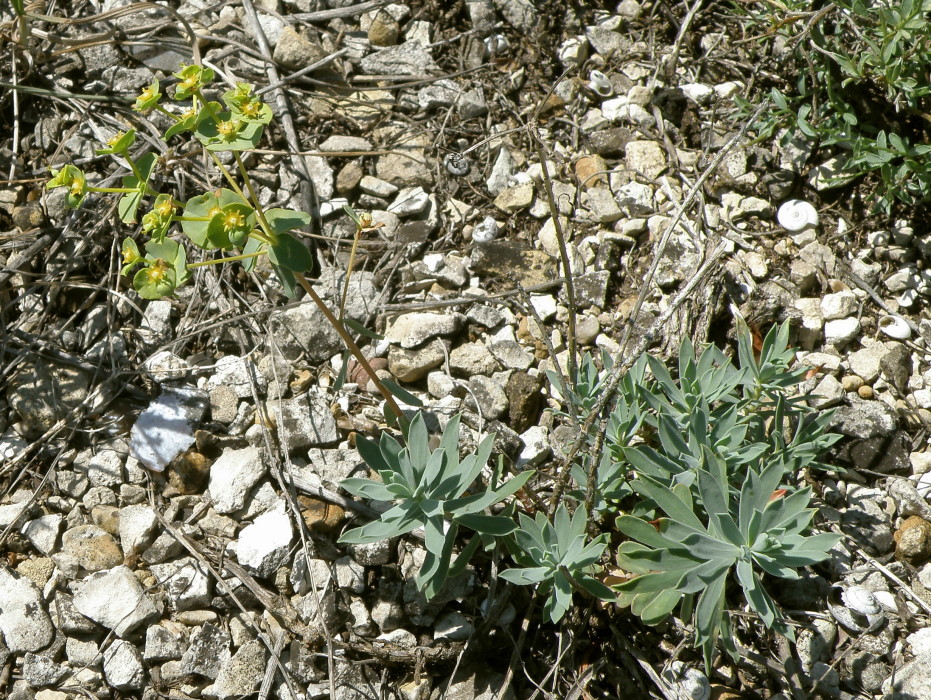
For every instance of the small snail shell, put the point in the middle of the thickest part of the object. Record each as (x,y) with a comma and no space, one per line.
(496,44)
(486,231)
(456,164)
(600,83)
(688,683)
(856,608)
(797,215)
(895,327)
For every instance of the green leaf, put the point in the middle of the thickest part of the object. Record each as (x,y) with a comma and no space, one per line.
(402,393)
(290,253)
(366,488)
(487,524)
(283,220)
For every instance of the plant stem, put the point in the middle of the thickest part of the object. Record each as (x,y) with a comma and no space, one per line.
(122,190)
(232,258)
(255,200)
(571,365)
(353,348)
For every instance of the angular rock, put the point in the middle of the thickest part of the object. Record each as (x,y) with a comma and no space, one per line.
(40,671)
(138,526)
(412,329)
(185,581)
(409,58)
(492,401)
(242,674)
(472,358)
(92,548)
(165,641)
(122,665)
(304,329)
(116,600)
(232,476)
(646,157)
(43,532)
(208,652)
(864,419)
(237,373)
(306,420)
(262,547)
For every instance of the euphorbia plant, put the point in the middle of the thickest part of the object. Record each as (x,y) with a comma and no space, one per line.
(229,220)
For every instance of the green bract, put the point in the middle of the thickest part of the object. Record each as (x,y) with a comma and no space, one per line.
(245,107)
(192,79)
(556,557)
(431,491)
(74,179)
(158,219)
(119,144)
(148,98)
(165,268)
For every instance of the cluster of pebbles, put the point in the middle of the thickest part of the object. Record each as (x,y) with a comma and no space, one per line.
(139,571)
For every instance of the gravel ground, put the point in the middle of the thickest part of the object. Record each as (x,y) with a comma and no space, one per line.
(170,469)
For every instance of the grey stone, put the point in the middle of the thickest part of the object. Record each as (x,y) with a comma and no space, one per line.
(412,329)
(520,14)
(334,465)
(864,419)
(866,522)
(232,476)
(80,652)
(591,288)
(208,652)
(304,329)
(116,600)
(472,104)
(896,365)
(481,15)
(306,420)
(829,392)
(68,619)
(40,671)
(161,432)
(43,532)
(242,674)
(536,447)
(602,205)
(472,358)
(511,354)
(373,554)
(409,58)
(42,394)
(377,187)
(839,305)
(635,198)
(478,684)
(453,626)
(514,199)
(492,401)
(407,168)
(237,373)
(646,157)
(606,41)
(122,665)
(414,365)
(438,95)
(293,50)
(138,525)
(318,610)
(911,680)
(185,582)
(409,202)
(165,641)
(346,143)
(841,331)
(500,172)
(350,575)
(262,547)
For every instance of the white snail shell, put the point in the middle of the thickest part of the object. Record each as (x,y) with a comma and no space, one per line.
(895,327)
(600,83)
(688,683)
(797,215)
(496,44)
(486,231)
(856,608)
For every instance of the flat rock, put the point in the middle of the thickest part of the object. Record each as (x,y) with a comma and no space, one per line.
(24,620)
(185,582)
(43,532)
(306,420)
(472,358)
(138,526)
(262,547)
(414,365)
(165,641)
(646,157)
(122,666)
(92,548)
(232,476)
(116,600)
(237,373)
(514,199)
(242,674)
(208,653)
(305,330)
(409,58)
(40,671)
(864,419)
(490,396)
(413,329)
(44,393)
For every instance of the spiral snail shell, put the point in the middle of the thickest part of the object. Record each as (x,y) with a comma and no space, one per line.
(797,215)
(895,327)
(600,84)
(486,231)
(856,608)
